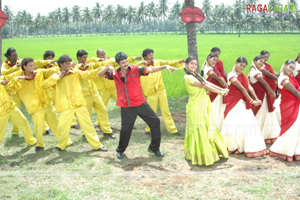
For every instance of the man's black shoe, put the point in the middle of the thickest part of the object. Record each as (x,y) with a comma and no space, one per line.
(102,148)
(177,133)
(156,153)
(120,155)
(48,132)
(57,149)
(147,133)
(77,126)
(37,149)
(110,135)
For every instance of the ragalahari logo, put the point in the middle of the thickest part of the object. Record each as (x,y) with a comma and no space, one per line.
(270,10)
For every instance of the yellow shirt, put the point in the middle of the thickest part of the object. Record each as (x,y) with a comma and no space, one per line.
(6,104)
(8,69)
(104,83)
(44,64)
(31,92)
(68,92)
(88,86)
(154,82)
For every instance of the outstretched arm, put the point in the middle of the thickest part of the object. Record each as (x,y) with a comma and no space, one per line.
(159,68)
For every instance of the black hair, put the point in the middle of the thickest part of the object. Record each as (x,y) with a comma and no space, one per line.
(25,62)
(258,58)
(64,58)
(214,49)
(9,51)
(120,56)
(189,59)
(146,52)
(288,62)
(49,53)
(81,53)
(264,52)
(212,55)
(242,60)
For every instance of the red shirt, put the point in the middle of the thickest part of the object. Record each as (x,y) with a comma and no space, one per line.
(129,90)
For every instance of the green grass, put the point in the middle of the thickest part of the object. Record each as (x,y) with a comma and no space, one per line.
(81,173)
(281,47)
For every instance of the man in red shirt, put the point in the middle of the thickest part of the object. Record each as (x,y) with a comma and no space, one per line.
(132,101)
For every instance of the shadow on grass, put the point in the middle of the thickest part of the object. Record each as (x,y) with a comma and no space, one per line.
(129,164)
(219,165)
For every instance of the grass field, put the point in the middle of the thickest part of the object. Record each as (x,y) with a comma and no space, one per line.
(80,173)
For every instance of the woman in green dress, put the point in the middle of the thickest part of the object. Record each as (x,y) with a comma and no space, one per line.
(203,143)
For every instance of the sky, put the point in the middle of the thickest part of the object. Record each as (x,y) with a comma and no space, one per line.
(44,7)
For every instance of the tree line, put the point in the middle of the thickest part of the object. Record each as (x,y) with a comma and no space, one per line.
(149,19)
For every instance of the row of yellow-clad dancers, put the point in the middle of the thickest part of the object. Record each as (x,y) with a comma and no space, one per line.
(40,85)
(239,114)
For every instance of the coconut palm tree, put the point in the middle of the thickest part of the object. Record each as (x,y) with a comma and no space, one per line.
(162,10)
(87,18)
(76,17)
(97,13)
(66,15)
(130,16)
(207,10)
(58,17)
(9,21)
(174,14)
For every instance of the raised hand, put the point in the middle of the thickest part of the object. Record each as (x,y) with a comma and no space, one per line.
(170,69)
(138,58)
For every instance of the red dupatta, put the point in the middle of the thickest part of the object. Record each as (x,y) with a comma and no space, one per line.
(220,68)
(270,81)
(213,95)
(235,94)
(289,106)
(260,93)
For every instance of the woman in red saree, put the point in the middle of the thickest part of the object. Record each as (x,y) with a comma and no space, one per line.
(264,114)
(240,130)
(213,75)
(271,77)
(287,145)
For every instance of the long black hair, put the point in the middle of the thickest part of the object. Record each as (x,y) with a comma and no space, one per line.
(195,74)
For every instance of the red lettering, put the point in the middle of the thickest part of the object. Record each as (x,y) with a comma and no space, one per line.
(259,8)
(253,8)
(265,8)
(248,7)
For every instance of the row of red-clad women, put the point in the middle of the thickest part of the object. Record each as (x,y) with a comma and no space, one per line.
(239,113)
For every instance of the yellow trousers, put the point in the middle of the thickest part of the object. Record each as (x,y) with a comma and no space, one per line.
(95,101)
(64,125)
(16,117)
(18,101)
(159,98)
(106,94)
(39,117)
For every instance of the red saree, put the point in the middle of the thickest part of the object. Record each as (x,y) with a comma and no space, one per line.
(289,106)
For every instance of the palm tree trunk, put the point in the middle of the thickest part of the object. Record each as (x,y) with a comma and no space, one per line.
(192,41)
(191,35)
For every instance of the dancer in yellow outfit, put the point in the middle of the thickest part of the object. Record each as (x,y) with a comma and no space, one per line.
(13,64)
(49,56)
(9,111)
(69,100)
(154,89)
(92,97)
(28,83)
